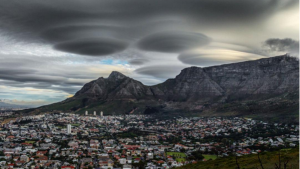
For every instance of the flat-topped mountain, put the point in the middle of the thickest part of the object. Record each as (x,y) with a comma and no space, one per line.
(195,89)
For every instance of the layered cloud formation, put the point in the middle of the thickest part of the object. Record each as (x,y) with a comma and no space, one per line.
(57,46)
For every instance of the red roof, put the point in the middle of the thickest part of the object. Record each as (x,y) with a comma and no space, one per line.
(67,167)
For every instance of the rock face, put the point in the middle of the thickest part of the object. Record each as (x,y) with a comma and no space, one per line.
(194,88)
(264,76)
(269,76)
(116,86)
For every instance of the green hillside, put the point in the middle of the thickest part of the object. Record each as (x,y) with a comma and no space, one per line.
(251,161)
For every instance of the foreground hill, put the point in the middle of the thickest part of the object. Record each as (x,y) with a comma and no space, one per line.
(265,87)
(268,160)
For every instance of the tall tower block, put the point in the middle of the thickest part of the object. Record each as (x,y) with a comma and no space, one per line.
(86,113)
(69,128)
(94,113)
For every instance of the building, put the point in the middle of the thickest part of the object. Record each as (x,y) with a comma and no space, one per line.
(69,128)
(94,113)
(86,113)
(101,114)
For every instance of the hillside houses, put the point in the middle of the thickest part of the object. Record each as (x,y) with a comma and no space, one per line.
(129,141)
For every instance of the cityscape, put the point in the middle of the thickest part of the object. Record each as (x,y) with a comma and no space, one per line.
(149,84)
(93,140)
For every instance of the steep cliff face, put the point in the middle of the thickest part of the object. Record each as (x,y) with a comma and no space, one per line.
(191,84)
(268,76)
(265,76)
(270,82)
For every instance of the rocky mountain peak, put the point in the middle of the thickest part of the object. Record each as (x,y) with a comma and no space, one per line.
(116,75)
(197,89)
(190,73)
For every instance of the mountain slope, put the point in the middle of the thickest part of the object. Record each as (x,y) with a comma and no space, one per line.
(216,90)
(116,86)
(251,161)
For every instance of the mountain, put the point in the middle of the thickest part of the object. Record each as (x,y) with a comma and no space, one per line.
(265,87)
(116,87)
(4,105)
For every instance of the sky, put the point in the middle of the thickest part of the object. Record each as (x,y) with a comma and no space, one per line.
(49,49)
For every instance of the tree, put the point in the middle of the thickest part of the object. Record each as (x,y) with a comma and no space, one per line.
(278,166)
(236,161)
(197,155)
(262,167)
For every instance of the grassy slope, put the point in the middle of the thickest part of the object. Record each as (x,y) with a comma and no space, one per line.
(250,161)
(207,157)
(284,108)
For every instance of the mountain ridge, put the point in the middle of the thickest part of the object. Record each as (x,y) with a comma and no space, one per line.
(194,89)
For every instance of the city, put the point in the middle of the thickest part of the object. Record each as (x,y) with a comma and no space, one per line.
(149,84)
(93,140)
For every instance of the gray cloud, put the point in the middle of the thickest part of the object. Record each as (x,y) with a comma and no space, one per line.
(92,47)
(139,61)
(71,32)
(200,59)
(56,21)
(173,42)
(47,43)
(20,72)
(39,84)
(161,71)
(282,45)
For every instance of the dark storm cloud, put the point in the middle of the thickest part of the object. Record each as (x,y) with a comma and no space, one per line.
(26,72)
(161,71)
(173,41)
(126,31)
(66,33)
(139,61)
(66,87)
(92,47)
(33,76)
(56,21)
(40,82)
(200,59)
(282,45)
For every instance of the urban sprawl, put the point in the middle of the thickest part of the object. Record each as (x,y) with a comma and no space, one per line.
(93,140)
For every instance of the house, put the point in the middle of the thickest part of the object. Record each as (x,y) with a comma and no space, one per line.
(127,166)
(129,159)
(42,159)
(178,145)
(41,153)
(136,160)
(150,155)
(73,144)
(10,165)
(94,144)
(20,163)
(105,161)
(67,167)
(122,160)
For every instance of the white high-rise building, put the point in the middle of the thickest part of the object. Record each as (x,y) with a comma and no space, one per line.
(101,114)
(69,128)
(94,113)
(86,113)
